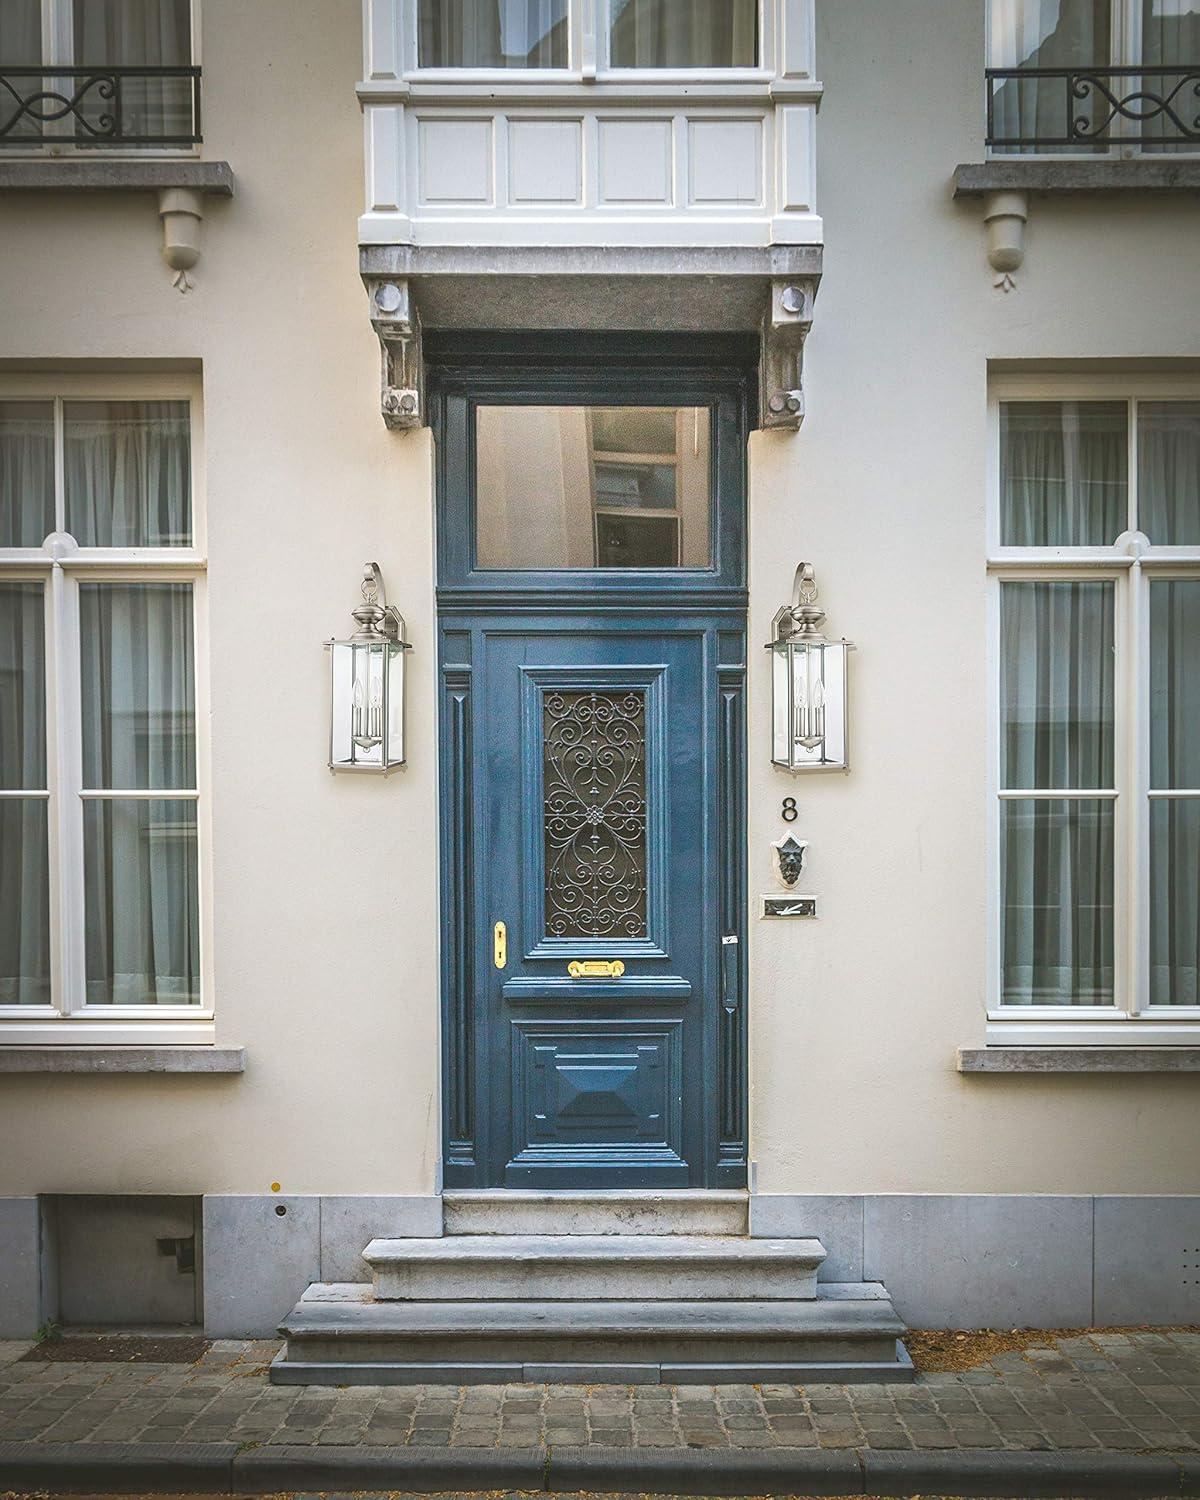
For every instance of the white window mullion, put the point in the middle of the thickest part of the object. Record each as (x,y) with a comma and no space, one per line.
(70,803)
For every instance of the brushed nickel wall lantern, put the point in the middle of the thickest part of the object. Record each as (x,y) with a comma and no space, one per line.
(366,730)
(808,685)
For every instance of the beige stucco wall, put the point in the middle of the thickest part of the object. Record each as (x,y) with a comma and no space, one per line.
(325,888)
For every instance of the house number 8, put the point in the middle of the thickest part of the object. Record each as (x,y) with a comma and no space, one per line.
(789,810)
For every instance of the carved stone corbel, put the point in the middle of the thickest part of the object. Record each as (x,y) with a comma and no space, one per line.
(785,327)
(395,320)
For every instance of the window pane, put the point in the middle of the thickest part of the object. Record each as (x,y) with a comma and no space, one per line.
(141,911)
(1175,684)
(128,473)
(594,792)
(1056,685)
(1046,34)
(138,691)
(592,487)
(1170,37)
(1057,884)
(21,46)
(24,902)
(1169,472)
(1174,901)
(684,33)
(26,472)
(492,34)
(138,33)
(1064,473)
(22,687)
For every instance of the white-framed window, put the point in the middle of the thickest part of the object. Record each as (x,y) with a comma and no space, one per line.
(151,103)
(669,37)
(1092,77)
(105,925)
(1094,624)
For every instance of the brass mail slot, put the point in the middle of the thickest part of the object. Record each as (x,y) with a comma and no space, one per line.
(595,968)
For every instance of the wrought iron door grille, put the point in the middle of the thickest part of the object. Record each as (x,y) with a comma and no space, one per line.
(99,106)
(1151,106)
(594,794)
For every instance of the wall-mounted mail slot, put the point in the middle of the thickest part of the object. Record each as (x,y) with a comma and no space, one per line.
(789,906)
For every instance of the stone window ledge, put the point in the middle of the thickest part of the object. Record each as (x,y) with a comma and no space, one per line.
(1079,1060)
(1065,178)
(69,1059)
(210,178)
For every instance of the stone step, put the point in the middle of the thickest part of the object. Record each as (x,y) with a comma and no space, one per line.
(592,1267)
(499,1211)
(331,1340)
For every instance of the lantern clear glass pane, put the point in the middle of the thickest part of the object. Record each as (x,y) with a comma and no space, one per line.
(1056,685)
(24,902)
(809,705)
(561,487)
(141,902)
(1175,901)
(1169,472)
(26,471)
(683,33)
(492,33)
(1064,473)
(594,819)
(22,687)
(1047,34)
(138,686)
(1057,901)
(367,706)
(128,473)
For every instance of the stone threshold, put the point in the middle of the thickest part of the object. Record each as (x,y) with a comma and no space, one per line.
(231,1469)
(84,1059)
(1079,1059)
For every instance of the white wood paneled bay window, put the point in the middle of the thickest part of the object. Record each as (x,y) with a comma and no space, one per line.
(1095,591)
(103,846)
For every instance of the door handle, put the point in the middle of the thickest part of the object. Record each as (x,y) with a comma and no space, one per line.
(729,973)
(595,968)
(500,945)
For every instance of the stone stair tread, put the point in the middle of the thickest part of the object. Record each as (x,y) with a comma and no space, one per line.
(838,1317)
(615,1249)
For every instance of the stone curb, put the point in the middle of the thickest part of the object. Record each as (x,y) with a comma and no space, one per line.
(221,1469)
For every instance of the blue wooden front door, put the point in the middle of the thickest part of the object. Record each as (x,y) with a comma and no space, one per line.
(592,808)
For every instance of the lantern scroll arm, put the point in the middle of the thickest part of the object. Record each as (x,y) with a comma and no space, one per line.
(785,327)
(397,325)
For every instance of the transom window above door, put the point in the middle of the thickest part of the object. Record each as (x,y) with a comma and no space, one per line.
(592,487)
(544,34)
(99,74)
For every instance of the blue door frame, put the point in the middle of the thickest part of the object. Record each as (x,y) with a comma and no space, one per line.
(628,1080)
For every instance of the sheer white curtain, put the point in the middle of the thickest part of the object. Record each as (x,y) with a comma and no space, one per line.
(140,33)
(1057,852)
(1064,473)
(141,915)
(26,473)
(1170,36)
(24,877)
(128,480)
(1169,472)
(684,33)
(1044,34)
(492,34)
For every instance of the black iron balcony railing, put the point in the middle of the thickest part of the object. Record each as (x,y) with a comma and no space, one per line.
(1029,108)
(102,106)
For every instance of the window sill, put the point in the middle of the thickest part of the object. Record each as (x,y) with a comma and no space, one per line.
(116,175)
(148,1059)
(1127,1059)
(1065,178)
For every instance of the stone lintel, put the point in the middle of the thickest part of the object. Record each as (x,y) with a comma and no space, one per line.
(1064,178)
(1079,1059)
(84,1059)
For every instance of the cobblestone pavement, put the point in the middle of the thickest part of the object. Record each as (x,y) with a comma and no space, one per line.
(1131,1393)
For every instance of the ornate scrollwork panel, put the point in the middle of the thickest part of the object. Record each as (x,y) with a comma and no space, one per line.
(594,779)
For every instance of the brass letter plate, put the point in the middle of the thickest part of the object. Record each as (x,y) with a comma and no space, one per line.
(595,968)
